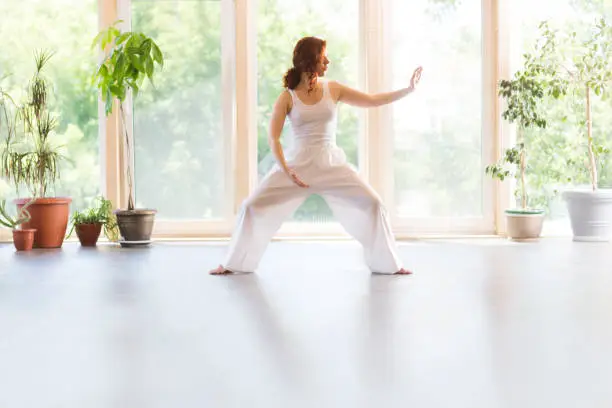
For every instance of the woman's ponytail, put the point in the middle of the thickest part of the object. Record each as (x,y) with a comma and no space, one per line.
(292,78)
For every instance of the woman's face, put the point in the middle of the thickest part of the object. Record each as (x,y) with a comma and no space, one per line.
(323,63)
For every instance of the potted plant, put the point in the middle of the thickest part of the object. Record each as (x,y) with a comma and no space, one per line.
(523,95)
(130,60)
(29,159)
(88,223)
(23,238)
(587,71)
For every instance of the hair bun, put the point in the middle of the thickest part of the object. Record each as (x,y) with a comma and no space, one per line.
(292,78)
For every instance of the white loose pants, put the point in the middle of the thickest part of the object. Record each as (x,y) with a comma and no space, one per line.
(353,202)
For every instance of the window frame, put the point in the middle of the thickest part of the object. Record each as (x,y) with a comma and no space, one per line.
(490,222)
(235,40)
(239,78)
(239,20)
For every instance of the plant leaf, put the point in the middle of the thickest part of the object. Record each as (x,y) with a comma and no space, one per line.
(149,67)
(157,54)
(137,63)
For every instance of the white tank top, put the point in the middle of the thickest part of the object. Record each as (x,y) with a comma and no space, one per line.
(314,125)
(313,142)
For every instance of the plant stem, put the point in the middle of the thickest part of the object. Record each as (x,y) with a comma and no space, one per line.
(129,159)
(522,167)
(523,181)
(592,162)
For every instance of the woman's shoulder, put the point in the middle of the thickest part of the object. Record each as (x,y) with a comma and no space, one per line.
(333,83)
(286,99)
(334,88)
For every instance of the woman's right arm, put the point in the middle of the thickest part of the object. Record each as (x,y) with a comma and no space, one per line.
(354,97)
(279,114)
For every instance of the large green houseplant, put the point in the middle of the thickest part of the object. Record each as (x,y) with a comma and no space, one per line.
(29,158)
(130,59)
(586,65)
(523,96)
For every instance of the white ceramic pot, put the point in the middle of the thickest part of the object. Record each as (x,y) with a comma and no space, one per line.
(524,224)
(590,214)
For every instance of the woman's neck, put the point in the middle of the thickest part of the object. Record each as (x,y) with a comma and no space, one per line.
(307,82)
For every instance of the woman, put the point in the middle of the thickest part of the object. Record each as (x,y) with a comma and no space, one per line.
(315,166)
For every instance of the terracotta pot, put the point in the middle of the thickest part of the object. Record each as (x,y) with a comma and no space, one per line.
(88,233)
(49,219)
(23,239)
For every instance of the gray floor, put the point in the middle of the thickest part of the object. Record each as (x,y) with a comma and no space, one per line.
(482,323)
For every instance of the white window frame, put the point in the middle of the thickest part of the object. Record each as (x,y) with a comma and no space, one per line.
(487,224)
(505,133)
(376,141)
(239,44)
(235,41)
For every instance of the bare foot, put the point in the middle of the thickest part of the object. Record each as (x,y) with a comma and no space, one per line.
(403,272)
(220,270)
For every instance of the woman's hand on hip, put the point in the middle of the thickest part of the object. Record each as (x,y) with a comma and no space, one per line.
(296,179)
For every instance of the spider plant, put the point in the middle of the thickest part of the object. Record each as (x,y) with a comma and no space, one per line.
(103,214)
(28,157)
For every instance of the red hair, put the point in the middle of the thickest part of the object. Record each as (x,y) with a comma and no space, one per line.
(307,55)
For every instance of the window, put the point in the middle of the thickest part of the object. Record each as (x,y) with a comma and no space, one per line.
(281,23)
(179,128)
(67,29)
(425,154)
(550,148)
(437,137)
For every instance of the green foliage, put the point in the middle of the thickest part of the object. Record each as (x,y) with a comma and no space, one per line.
(584,62)
(550,100)
(103,214)
(28,156)
(8,117)
(8,221)
(524,93)
(131,59)
(592,63)
(524,97)
(557,152)
(67,31)
(506,167)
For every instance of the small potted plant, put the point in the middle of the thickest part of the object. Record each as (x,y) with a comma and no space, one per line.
(88,223)
(130,60)
(523,95)
(29,158)
(588,71)
(23,238)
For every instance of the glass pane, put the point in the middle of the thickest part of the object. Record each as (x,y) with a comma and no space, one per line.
(66,28)
(281,23)
(178,125)
(549,149)
(437,130)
